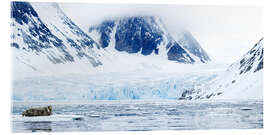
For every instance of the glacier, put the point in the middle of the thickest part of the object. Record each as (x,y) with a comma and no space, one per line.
(107,86)
(147,82)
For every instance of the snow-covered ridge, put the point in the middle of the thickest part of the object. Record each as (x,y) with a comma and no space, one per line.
(45,41)
(188,42)
(242,79)
(147,35)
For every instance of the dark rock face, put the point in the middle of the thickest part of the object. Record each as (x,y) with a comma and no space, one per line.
(251,57)
(176,53)
(144,35)
(15,45)
(260,66)
(133,34)
(42,111)
(105,29)
(136,33)
(20,10)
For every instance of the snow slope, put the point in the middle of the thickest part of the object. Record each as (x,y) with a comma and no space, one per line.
(186,39)
(46,42)
(242,80)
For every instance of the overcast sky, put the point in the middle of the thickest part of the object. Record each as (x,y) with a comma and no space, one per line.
(225,32)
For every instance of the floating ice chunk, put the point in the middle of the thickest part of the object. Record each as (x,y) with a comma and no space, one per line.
(246,108)
(51,118)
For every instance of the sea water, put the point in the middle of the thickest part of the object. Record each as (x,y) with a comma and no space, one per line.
(143,115)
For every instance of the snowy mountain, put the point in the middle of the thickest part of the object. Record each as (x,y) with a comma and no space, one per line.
(188,42)
(45,39)
(243,79)
(147,35)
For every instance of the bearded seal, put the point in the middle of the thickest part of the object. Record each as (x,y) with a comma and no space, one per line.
(41,111)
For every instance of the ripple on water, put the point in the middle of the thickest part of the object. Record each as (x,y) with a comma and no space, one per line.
(145,116)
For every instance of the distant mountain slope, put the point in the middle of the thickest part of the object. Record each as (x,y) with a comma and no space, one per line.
(243,79)
(188,42)
(145,35)
(31,34)
(42,32)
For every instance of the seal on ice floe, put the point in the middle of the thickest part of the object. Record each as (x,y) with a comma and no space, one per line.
(41,111)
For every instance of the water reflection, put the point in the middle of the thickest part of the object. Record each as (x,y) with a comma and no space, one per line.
(44,126)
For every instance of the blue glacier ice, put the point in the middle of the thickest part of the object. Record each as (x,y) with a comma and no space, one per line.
(110,86)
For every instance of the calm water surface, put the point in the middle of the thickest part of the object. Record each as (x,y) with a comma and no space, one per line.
(139,115)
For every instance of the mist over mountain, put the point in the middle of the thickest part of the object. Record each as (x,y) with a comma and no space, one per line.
(46,41)
(147,35)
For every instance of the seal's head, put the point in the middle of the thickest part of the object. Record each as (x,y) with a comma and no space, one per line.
(50,108)
(24,113)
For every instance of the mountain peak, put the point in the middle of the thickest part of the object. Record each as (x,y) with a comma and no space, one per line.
(148,36)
